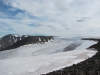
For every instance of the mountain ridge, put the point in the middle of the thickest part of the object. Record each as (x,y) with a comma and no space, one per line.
(12,41)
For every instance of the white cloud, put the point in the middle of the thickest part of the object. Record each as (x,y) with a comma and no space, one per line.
(56,17)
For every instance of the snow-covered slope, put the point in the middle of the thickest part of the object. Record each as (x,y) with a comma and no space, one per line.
(36,59)
(86,44)
(35,49)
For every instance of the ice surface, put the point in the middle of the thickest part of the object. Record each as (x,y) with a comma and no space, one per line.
(10,39)
(16,35)
(91,53)
(39,39)
(86,44)
(35,49)
(26,36)
(36,59)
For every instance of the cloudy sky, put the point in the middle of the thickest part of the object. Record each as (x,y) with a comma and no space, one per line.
(50,17)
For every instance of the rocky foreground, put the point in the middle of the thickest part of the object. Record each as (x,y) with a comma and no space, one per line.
(90,66)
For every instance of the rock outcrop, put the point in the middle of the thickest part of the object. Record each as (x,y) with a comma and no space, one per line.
(11,41)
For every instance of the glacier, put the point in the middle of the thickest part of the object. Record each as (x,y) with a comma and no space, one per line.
(36,59)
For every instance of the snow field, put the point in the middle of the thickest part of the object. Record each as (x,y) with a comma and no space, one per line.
(36,59)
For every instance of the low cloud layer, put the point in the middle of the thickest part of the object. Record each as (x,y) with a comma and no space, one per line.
(50,17)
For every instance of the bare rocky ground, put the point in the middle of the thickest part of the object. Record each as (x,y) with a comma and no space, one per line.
(90,66)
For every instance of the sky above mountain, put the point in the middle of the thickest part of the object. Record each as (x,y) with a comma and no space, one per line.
(50,17)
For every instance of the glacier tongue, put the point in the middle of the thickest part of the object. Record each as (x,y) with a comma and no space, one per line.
(35,59)
(35,49)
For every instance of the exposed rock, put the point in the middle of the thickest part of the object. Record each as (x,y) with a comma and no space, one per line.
(9,40)
(29,40)
(94,39)
(0,47)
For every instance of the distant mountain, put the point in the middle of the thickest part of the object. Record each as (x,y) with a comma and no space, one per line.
(10,39)
(13,41)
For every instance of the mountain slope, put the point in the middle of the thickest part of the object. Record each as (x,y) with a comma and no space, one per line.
(10,39)
(19,41)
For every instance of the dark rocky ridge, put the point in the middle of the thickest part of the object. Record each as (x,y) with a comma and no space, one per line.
(90,66)
(10,39)
(94,39)
(28,40)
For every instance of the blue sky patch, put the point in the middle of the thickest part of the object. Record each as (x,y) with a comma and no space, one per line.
(5,9)
(39,17)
